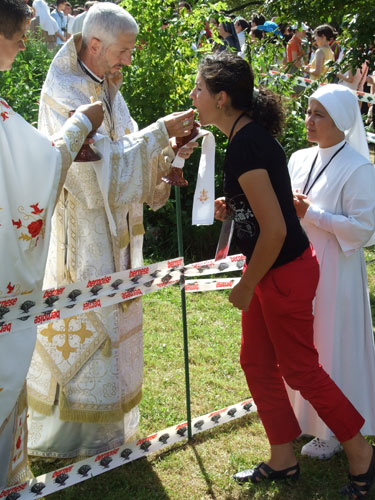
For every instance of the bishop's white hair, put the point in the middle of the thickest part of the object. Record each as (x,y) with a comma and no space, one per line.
(106,21)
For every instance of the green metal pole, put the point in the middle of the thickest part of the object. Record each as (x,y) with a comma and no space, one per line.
(183,307)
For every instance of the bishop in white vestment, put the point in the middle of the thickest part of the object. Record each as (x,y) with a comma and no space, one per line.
(85,380)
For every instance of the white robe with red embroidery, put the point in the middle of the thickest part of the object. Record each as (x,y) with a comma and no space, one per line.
(32,171)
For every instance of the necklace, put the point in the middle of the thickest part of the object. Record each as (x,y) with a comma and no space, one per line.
(320,172)
(234,124)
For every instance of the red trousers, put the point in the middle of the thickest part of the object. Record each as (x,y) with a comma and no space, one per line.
(277,343)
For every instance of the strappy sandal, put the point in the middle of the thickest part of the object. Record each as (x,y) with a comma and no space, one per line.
(357,491)
(255,475)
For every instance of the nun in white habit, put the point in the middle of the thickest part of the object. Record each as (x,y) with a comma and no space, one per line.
(334,193)
(47,22)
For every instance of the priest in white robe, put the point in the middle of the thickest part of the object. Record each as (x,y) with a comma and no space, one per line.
(85,380)
(32,172)
(334,185)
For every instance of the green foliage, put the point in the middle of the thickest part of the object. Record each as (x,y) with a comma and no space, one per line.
(264,56)
(21,86)
(165,63)
(159,82)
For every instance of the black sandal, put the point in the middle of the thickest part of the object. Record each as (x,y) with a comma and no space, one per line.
(357,491)
(255,476)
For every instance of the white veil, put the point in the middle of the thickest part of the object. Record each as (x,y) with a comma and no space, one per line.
(342,106)
(47,23)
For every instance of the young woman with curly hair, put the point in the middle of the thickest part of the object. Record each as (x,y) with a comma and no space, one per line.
(278,286)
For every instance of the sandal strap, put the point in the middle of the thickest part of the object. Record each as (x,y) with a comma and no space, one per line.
(361,478)
(276,474)
(353,490)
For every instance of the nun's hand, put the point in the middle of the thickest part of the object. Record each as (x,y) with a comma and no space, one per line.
(301,203)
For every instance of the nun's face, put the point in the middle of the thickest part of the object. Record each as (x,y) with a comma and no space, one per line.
(222,31)
(320,127)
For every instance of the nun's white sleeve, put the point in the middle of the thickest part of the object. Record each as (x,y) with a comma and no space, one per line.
(355,226)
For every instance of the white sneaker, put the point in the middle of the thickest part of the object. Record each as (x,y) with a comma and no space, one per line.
(321,448)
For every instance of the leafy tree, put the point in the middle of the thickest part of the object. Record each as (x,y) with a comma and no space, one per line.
(169,47)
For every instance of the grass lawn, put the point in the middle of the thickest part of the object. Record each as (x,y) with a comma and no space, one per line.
(202,469)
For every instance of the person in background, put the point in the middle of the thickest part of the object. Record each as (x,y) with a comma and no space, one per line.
(69,18)
(58,15)
(242,28)
(229,36)
(335,47)
(355,80)
(334,185)
(295,52)
(47,24)
(257,20)
(318,67)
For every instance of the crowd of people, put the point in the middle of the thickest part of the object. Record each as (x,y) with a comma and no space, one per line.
(307,346)
(56,24)
(307,52)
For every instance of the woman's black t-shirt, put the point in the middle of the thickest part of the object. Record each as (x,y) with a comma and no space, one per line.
(250,149)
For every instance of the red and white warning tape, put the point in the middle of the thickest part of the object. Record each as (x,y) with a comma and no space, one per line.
(21,312)
(101,292)
(85,469)
(231,263)
(210,285)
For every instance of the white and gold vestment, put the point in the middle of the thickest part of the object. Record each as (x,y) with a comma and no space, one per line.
(87,371)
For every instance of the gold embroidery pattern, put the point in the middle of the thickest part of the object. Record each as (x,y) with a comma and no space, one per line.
(115,159)
(75,138)
(203,196)
(66,348)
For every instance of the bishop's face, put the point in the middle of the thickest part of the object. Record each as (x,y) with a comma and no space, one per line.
(9,48)
(116,55)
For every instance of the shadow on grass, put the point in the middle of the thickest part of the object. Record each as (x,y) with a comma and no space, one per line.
(136,480)
(139,480)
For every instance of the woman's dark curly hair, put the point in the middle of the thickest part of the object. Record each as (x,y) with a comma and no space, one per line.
(230,73)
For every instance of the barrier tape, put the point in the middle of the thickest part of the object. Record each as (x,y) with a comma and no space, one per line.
(231,263)
(21,312)
(101,292)
(209,285)
(78,472)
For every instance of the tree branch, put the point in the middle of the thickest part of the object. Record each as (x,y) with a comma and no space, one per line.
(241,7)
